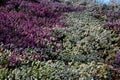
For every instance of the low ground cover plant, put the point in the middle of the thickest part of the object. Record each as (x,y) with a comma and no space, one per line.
(59,40)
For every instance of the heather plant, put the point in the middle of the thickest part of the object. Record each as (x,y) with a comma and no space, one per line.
(117,58)
(85,40)
(13,59)
(55,70)
(113,21)
(109,14)
(115,61)
(29,23)
(52,40)
(113,66)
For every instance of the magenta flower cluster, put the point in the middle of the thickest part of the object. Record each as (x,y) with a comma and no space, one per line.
(16,58)
(26,23)
(111,18)
(117,58)
(116,62)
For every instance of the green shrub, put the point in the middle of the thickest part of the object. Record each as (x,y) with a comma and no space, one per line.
(84,40)
(56,70)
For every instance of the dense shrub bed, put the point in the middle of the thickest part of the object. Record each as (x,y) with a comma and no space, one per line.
(110,18)
(32,68)
(110,14)
(27,23)
(85,40)
(59,40)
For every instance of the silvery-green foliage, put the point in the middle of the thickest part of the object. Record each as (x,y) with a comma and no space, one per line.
(85,39)
(56,70)
(84,2)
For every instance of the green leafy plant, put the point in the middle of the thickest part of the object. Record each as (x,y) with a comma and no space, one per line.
(85,39)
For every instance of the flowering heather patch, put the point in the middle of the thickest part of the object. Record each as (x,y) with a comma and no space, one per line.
(113,21)
(117,58)
(27,23)
(10,59)
(110,15)
(54,40)
(115,63)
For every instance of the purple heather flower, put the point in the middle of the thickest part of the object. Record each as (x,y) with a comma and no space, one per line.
(117,58)
(26,23)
